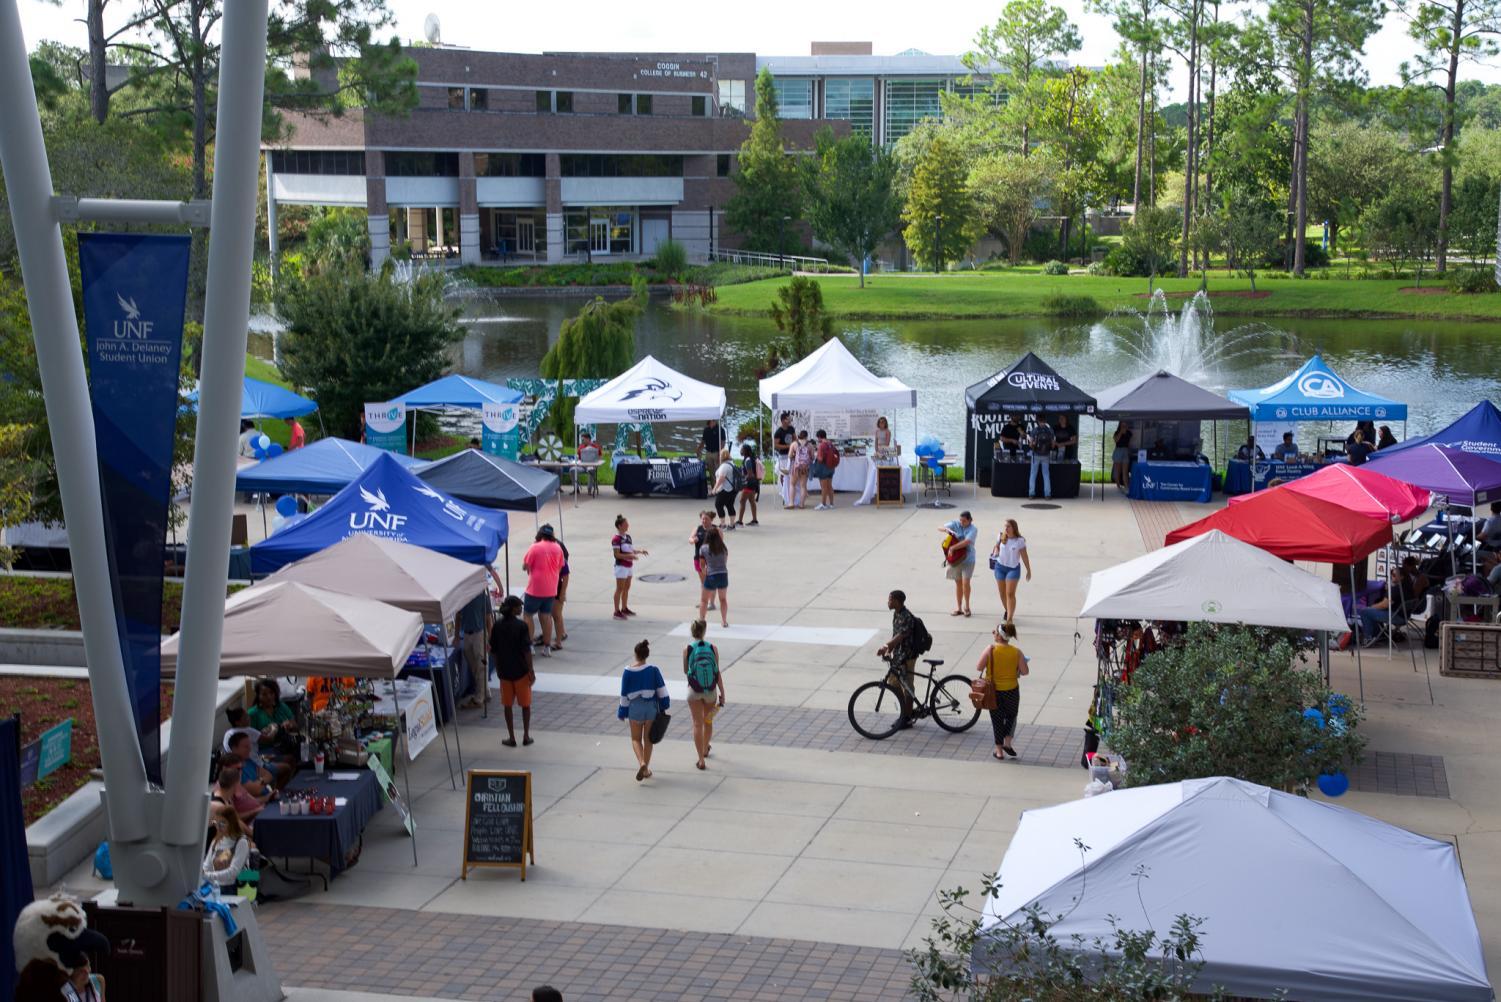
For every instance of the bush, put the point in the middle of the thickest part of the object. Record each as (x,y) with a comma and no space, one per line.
(672,259)
(1148,243)
(1058,304)
(1472,280)
(1097,268)
(1055,268)
(1314,256)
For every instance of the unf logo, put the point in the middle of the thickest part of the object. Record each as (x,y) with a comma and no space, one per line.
(1320,386)
(132,325)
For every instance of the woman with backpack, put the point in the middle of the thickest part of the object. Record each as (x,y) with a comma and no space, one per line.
(802,463)
(750,484)
(724,491)
(716,558)
(701,665)
(824,462)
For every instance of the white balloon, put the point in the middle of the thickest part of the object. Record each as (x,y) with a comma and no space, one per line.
(264,441)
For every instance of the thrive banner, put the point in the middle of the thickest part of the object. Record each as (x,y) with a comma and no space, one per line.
(134,294)
(502,430)
(386,427)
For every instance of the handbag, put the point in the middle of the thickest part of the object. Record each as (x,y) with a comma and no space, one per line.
(659,726)
(982,693)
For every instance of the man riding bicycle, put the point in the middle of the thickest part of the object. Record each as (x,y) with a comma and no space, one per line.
(898,650)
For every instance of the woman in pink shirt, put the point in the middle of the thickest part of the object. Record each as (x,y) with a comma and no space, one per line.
(544,566)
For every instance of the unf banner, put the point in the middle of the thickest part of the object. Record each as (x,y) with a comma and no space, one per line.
(134,294)
(501,434)
(386,427)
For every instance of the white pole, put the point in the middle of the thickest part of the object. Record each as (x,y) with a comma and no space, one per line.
(54,326)
(226,312)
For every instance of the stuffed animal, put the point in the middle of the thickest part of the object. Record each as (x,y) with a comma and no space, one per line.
(52,940)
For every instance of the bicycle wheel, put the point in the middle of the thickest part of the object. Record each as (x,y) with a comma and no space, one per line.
(875,710)
(950,704)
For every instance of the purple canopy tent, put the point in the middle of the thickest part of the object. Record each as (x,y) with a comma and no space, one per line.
(1464,478)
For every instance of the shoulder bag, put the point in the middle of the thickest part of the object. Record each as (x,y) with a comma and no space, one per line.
(982,689)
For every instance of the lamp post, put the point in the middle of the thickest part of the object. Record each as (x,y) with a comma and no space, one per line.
(711,233)
(938,244)
(782,242)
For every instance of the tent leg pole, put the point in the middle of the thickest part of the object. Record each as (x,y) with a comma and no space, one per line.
(1359,664)
(406,770)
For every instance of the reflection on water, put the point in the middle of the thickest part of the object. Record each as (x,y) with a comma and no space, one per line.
(1438,368)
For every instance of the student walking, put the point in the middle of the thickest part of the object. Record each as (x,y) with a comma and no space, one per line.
(750,485)
(826,459)
(510,646)
(1008,557)
(1003,664)
(960,558)
(802,463)
(699,535)
(626,554)
(716,560)
(643,694)
(701,665)
(724,491)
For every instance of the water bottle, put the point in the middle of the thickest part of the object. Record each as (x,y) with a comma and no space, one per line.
(318,763)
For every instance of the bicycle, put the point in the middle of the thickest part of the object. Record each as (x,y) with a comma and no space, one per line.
(875,708)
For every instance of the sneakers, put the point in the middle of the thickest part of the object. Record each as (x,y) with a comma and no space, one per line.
(819,507)
(621,615)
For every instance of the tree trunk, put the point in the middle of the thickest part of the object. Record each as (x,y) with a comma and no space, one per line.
(1446,189)
(1305,84)
(1292,199)
(98,66)
(1152,147)
(1209,128)
(1190,148)
(1141,128)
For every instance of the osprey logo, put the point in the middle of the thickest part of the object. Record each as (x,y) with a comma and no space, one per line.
(1321,386)
(450,508)
(132,326)
(654,388)
(379,518)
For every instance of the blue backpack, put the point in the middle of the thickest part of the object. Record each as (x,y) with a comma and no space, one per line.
(703,666)
(102,865)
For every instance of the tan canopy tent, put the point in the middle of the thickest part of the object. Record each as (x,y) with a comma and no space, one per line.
(409,577)
(288,628)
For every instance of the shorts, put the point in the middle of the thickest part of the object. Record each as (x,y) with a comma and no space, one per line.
(714,582)
(1120,455)
(535,604)
(642,710)
(622,571)
(818,471)
(1003,573)
(962,571)
(698,566)
(710,696)
(752,489)
(517,691)
(562,589)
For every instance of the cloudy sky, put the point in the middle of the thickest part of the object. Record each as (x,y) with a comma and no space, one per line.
(768,27)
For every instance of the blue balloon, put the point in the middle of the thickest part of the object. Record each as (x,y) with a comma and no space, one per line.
(1334,784)
(286,505)
(1314,716)
(258,452)
(275,450)
(1339,704)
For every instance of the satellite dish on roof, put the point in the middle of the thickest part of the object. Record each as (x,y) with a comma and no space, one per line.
(431,29)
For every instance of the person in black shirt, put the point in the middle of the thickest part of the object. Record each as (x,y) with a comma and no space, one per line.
(713,439)
(511,647)
(1250,451)
(1066,439)
(1011,437)
(1385,439)
(1359,449)
(782,441)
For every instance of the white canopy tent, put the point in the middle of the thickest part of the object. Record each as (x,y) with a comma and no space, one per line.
(651,391)
(831,379)
(1297,895)
(1215,578)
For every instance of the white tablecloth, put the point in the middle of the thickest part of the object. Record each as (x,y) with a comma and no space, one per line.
(854,474)
(851,473)
(869,494)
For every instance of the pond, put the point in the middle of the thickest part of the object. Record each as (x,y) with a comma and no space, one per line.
(1439,369)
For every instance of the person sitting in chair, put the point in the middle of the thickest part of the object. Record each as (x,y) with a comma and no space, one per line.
(1287,450)
(1250,451)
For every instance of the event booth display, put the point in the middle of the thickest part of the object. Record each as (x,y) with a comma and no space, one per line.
(831,390)
(1238,856)
(1465,479)
(260,399)
(1029,387)
(1362,490)
(1166,407)
(326,466)
(1295,527)
(1314,392)
(408,577)
(653,393)
(388,500)
(1477,431)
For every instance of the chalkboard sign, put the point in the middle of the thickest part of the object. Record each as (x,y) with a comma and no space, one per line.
(497,820)
(888,485)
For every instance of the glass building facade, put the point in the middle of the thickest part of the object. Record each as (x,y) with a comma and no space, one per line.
(853,100)
(907,102)
(794,97)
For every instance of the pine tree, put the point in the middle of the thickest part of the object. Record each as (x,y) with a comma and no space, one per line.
(942,221)
(767,191)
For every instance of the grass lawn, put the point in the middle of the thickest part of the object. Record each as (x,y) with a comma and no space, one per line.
(1020,294)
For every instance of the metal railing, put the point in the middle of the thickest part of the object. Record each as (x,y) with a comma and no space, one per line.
(762,259)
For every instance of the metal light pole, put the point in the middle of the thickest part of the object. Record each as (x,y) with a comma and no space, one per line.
(711,233)
(782,242)
(938,245)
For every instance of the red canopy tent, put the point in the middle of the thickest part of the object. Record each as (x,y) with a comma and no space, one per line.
(1357,489)
(1295,526)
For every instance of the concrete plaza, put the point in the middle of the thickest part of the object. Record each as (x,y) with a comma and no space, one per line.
(805,858)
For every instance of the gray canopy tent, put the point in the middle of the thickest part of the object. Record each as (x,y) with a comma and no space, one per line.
(1163,396)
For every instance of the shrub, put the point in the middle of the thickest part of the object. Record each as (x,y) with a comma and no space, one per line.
(1058,304)
(1314,256)
(672,258)
(1055,268)
(1097,268)
(1472,280)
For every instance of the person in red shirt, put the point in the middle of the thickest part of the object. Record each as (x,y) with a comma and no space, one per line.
(544,566)
(297,437)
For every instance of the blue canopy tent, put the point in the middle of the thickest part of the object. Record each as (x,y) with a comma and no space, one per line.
(260,399)
(1316,393)
(457,391)
(325,467)
(1478,431)
(388,501)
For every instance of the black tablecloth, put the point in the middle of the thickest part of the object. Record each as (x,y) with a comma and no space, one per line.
(684,478)
(1008,478)
(320,836)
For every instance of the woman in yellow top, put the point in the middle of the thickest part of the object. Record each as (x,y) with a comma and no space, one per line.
(1004,664)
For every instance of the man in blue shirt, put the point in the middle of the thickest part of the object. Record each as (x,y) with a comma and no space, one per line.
(255,780)
(1288,450)
(959,558)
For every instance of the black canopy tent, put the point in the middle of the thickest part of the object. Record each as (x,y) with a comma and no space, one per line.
(1162,396)
(1030,386)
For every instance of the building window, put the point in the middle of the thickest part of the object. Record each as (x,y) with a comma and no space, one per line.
(909,102)
(732,96)
(564,102)
(599,230)
(623,104)
(794,98)
(518,233)
(544,101)
(852,100)
(643,104)
(455,99)
(510,165)
(414,164)
(347,163)
(723,165)
(620,165)
(479,99)
(700,104)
